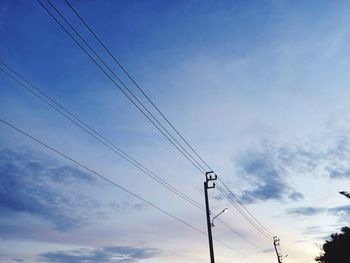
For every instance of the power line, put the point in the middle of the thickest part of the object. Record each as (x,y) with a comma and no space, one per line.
(246,211)
(236,232)
(129,94)
(109,181)
(85,127)
(135,82)
(244,215)
(98,136)
(162,114)
(250,221)
(175,143)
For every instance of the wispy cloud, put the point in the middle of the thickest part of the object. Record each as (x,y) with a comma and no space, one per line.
(33,184)
(127,206)
(268,250)
(39,196)
(117,254)
(312,230)
(318,232)
(266,177)
(339,172)
(266,169)
(341,212)
(306,211)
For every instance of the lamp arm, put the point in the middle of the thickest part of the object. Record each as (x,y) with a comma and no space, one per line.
(212,221)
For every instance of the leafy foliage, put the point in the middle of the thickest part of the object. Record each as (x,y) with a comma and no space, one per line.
(336,250)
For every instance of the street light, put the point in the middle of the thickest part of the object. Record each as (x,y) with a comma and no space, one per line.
(276,243)
(345,194)
(212,221)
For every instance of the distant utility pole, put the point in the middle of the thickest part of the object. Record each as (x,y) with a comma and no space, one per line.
(209,177)
(276,243)
(345,194)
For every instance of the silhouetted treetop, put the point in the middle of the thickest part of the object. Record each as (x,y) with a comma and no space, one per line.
(336,250)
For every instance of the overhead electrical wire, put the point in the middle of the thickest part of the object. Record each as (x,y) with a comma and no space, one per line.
(114,75)
(135,82)
(236,232)
(103,177)
(40,94)
(175,143)
(246,211)
(261,231)
(160,112)
(98,136)
(127,92)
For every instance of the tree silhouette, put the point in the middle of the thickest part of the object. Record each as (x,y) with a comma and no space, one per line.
(336,250)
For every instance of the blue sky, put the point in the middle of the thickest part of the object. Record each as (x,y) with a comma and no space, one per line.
(259,88)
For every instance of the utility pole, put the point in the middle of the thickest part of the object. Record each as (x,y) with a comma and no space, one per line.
(276,243)
(209,178)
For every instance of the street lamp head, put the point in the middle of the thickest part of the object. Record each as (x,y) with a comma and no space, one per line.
(345,194)
(223,211)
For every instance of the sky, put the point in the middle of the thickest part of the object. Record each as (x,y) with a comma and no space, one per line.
(258,88)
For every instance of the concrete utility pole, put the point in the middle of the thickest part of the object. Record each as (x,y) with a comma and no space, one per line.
(209,177)
(276,243)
